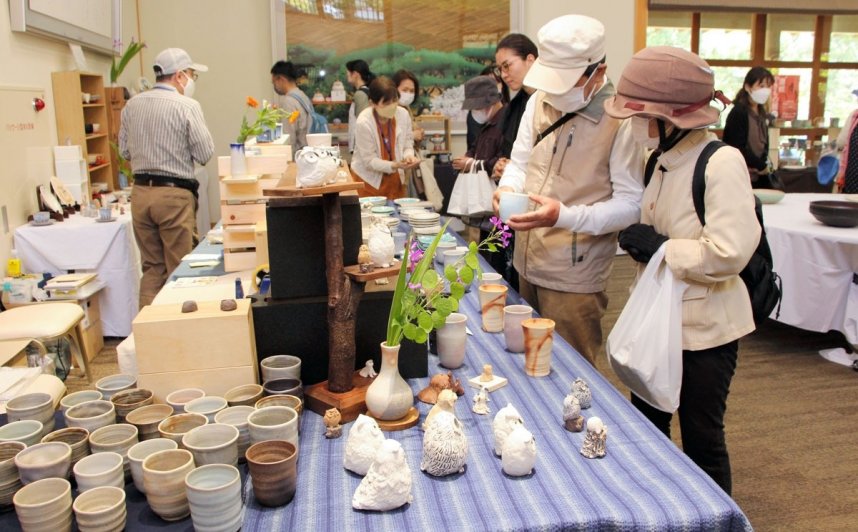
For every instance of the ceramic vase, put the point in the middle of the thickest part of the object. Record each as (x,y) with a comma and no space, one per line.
(451,340)
(389,397)
(237,160)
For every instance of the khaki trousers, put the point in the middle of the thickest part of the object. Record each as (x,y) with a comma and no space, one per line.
(577,317)
(164,224)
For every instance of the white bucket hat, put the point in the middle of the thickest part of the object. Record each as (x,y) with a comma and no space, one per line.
(567,46)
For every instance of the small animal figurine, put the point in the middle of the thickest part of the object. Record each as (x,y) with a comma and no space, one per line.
(481,402)
(362,445)
(315,167)
(595,440)
(487,374)
(456,384)
(582,392)
(446,403)
(364,259)
(368,371)
(519,452)
(429,394)
(332,418)
(445,447)
(381,248)
(573,421)
(505,421)
(387,484)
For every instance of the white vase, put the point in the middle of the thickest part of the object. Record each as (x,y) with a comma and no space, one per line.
(389,397)
(237,160)
(451,340)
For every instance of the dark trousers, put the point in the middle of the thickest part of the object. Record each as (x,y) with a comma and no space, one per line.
(706,377)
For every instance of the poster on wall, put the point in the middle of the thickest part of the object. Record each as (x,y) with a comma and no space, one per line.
(785,97)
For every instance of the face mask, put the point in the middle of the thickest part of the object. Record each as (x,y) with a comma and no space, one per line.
(640,132)
(387,111)
(188,88)
(406,99)
(573,100)
(481,116)
(761,95)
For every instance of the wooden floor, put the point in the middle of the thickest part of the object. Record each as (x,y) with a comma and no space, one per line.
(792,423)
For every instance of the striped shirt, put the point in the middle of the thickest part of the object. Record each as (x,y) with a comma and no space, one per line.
(163,132)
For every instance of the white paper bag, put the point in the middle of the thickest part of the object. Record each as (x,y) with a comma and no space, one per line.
(472,193)
(645,347)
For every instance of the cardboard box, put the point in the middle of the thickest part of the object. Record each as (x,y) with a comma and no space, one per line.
(215,381)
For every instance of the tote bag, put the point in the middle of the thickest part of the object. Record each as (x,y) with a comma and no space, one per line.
(472,193)
(645,347)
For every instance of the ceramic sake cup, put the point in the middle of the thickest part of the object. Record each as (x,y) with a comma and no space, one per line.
(280,367)
(492,302)
(213,443)
(179,398)
(513,334)
(164,475)
(10,482)
(114,383)
(237,417)
(76,437)
(286,386)
(273,423)
(43,460)
(244,395)
(538,345)
(99,469)
(91,415)
(77,398)
(101,509)
(147,418)
(142,450)
(491,278)
(207,406)
(38,406)
(292,401)
(126,401)
(175,427)
(214,496)
(27,431)
(45,505)
(273,471)
(115,439)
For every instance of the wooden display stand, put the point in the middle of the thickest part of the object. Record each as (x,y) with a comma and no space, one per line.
(432,124)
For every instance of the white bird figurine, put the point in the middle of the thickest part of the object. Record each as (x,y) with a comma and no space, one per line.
(381,246)
(315,167)
(504,422)
(387,484)
(583,393)
(573,421)
(362,445)
(519,452)
(445,446)
(446,402)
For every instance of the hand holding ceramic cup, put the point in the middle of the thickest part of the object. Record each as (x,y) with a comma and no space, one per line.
(492,302)
(512,203)
(513,334)
(452,338)
(538,343)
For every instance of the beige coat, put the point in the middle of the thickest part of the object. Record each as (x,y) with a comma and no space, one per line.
(366,160)
(716,308)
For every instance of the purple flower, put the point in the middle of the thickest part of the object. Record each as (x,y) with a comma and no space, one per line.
(415,286)
(495,221)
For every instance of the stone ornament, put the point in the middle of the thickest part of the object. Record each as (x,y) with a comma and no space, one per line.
(582,391)
(573,421)
(332,419)
(364,259)
(446,403)
(362,444)
(189,306)
(504,423)
(445,447)
(387,484)
(368,371)
(486,375)
(519,452)
(481,402)
(228,305)
(594,442)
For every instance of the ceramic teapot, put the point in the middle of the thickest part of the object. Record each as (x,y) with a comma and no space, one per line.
(316,167)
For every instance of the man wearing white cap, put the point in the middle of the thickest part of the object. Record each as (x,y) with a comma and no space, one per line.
(163,133)
(583,173)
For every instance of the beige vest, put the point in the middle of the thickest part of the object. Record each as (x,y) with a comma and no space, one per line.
(572,165)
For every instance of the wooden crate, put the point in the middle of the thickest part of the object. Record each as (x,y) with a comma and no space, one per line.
(215,381)
(242,213)
(236,261)
(257,165)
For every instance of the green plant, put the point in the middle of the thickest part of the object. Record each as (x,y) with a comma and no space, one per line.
(123,163)
(266,118)
(116,69)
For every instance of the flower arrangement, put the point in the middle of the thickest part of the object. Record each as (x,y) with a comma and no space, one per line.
(420,304)
(116,69)
(267,116)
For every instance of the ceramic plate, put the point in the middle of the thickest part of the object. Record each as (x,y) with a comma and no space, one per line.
(105,221)
(49,200)
(62,192)
(405,201)
(432,230)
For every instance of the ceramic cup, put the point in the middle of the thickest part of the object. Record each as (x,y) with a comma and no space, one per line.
(513,334)
(41,217)
(121,381)
(147,418)
(105,214)
(273,471)
(237,417)
(91,415)
(491,278)
(180,398)
(99,469)
(76,437)
(77,398)
(538,342)
(213,443)
(101,510)
(284,387)
(492,302)
(28,432)
(244,395)
(164,475)
(214,495)
(512,203)
(140,451)
(131,399)
(175,427)
(399,239)
(440,249)
(116,439)
(451,340)
(45,506)
(10,482)
(451,255)
(292,401)
(273,423)
(280,367)
(207,406)
(38,406)
(43,460)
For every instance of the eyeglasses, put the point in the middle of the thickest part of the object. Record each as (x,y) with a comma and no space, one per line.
(503,67)
(191,74)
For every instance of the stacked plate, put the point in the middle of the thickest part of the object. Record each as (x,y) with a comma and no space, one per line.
(391,222)
(424,241)
(402,202)
(375,201)
(425,223)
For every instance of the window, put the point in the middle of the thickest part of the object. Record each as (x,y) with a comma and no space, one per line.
(843,47)
(790,37)
(725,36)
(667,28)
(302,6)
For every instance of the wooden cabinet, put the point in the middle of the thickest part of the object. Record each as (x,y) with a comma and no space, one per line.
(77,120)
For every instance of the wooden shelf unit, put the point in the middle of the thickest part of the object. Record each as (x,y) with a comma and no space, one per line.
(433,125)
(72,115)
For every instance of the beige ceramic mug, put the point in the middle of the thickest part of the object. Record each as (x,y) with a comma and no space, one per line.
(492,302)
(538,343)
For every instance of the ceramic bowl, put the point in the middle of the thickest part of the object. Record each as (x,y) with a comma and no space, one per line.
(9,480)
(284,387)
(273,423)
(373,200)
(131,399)
(28,432)
(180,398)
(273,471)
(237,417)
(38,406)
(280,367)
(769,195)
(91,415)
(76,437)
(45,505)
(101,509)
(207,406)
(140,451)
(244,395)
(164,475)
(115,439)
(77,398)
(835,213)
(214,495)
(44,460)
(99,469)
(292,401)
(214,443)
(147,418)
(383,210)
(114,383)
(175,427)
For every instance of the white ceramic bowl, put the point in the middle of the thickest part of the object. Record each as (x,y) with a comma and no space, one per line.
(175,427)
(38,406)
(214,443)
(280,367)
(769,195)
(101,509)
(207,406)
(113,383)
(147,418)
(244,395)
(91,415)
(77,398)
(179,398)
(27,431)
(140,451)
(44,460)
(99,469)
(45,505)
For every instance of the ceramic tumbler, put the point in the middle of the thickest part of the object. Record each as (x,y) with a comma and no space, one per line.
(26,431)
(244,395)
(237,417)
(451,340)
(440,249)
(273,423)
(91,415)
(214,495)
(280,367)
(43,460)
(273,471)
(513,333)
(77,398)
(114,383)
(45,506)
(147,418)
(101,509)
(492,302)
(76,437)
(140,451)
(287,386)
(207,406)
(99,469)
(538,343)
(131,399)
(164,475)
(10,482)
(213,443)
(175,427)
(115,439)
(37,406)
(512,203)
(491,278)
(179,398)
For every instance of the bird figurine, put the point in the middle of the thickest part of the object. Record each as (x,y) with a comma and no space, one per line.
(445,447)
(481,402)
(315,167)
(332,419)
(573,421)
(446,402)
(387,484)
(364,259)
(381,246)
(362,444)
(504,422)
(519,452)
(583,393)
(596,438)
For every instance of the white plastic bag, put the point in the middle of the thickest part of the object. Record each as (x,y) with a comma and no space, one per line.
(645,347)
(472,193)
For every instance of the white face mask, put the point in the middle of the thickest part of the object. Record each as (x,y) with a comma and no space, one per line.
(481,116)
(386,111)
(406,98)
(573,100)
(188,88)
(640,132)
(761,95)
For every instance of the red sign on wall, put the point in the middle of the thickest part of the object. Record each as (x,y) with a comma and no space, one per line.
(785,97)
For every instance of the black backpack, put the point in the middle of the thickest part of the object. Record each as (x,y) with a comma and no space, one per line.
(763,284)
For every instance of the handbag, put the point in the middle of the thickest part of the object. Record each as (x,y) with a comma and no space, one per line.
(473,192)
(645,346)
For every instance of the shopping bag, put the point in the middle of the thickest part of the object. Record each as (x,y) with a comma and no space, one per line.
(472,194)
(645,347)
(430,185)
